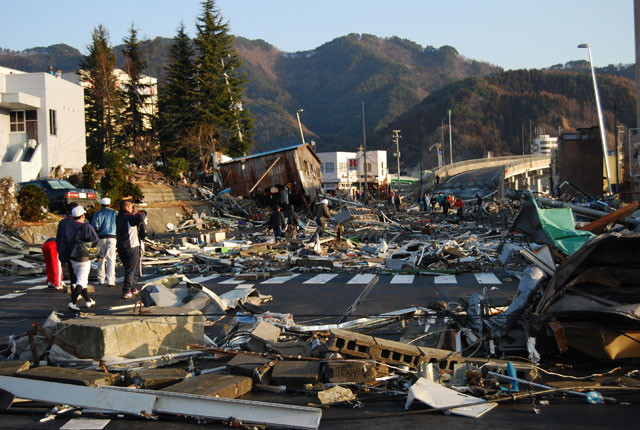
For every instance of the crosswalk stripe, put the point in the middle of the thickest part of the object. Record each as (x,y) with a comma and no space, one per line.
(402,279)
(487,278)
(32,281)
(445,279)
(232,281)
(280,279)
(243,287)
(205,278)
(12,295)
(363,278)
(38,287)
(322,278)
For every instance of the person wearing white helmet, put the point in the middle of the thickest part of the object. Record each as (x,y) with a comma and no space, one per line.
(322,214)
(104,221)
(74,233)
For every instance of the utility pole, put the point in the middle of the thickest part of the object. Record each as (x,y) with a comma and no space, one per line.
(522,136)
(396,140)
(364,143)
(450,145)
(420,146)
(530,138)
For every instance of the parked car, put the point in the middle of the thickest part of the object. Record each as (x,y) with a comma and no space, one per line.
(60,193)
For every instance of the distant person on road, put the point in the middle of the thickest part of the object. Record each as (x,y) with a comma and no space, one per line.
(427,203)
(62,256)
(104,221)
(433,202)
(445,207)
(276,222)
(458,205)
(421,201)
(437,180)
(322,214)
(75,232)
(128,246)
(440,199)
(478,205)
(397,202)
(292,223)
(52,263)
(284,196)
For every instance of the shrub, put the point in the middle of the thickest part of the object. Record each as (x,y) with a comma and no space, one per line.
(88,176)
(32,200)
(175,168)
(115,182)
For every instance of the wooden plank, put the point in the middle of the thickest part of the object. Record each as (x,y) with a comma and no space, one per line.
(214,385)
(597,226)
(87,378)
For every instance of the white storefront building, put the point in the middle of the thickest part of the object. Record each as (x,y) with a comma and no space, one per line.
(42,124)
(343,172)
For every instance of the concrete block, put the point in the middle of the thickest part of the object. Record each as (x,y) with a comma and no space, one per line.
(11,367)
(296,373)
(130,336)
(351,344)
(155,379)
(87,378)
(256,367)
(359,372)
(292,348)
(213,385)
(396,353)
(263,333)
(251,276)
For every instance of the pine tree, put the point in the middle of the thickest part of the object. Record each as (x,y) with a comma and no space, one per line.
(176,101)
(220,84)
(101,98)
(136,92)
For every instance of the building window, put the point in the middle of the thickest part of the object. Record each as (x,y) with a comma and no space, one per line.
(16,121)
(53,123)
(329,167)
(342,167)
(369,167)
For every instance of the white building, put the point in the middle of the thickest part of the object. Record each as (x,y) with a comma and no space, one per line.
(344,171)
(41,124)
(544,144)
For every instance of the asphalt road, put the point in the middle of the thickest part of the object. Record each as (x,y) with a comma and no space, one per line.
(312,299)
(467,185)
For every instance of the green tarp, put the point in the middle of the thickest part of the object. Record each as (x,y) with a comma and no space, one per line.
(551,226)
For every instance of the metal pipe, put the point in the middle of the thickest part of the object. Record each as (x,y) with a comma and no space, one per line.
(591,213)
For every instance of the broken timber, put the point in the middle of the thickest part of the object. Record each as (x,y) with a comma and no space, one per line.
(134,401)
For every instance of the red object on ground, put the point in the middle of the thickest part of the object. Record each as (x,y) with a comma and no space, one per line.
(54,268)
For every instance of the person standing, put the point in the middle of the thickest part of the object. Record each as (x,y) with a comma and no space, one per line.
(292,223)
(62,256)
(128,246)
(458,206)
(478,205)
(427,203)
(446,205)
(52,263)
(433,202)
(397,201)
(104,221)
(322,214)
(421,202)
(284,196)
(276,222)
(74,233)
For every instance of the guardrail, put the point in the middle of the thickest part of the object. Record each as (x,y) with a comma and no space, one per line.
(513,160)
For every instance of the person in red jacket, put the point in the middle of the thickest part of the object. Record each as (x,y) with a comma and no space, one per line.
(458,205)
(54,268)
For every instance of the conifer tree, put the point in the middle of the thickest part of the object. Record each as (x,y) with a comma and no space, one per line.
(136,93)
(220,84)
(101,98)
(176,100)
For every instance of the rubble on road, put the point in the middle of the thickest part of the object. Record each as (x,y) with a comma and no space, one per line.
(577,293)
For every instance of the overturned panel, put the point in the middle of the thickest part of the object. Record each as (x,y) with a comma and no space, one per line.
(132,337)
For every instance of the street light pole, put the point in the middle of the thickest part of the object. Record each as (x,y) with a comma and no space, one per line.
(450,145)
(603,133)
(420,145)
(396,140)
(364,144)
(300,124)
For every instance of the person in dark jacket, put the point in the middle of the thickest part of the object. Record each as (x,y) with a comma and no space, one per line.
(292,222)
(74,232)
(64,259)
(276,222)
(322,214)
(446,205)
(128,246)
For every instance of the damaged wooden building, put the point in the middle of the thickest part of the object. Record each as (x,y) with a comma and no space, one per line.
(267,173)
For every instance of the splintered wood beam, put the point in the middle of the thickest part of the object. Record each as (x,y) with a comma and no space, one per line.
(597,226)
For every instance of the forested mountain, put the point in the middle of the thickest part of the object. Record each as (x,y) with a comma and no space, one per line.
(493,113)
(397,80)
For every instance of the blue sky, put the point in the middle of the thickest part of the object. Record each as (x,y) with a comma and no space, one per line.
(512,34)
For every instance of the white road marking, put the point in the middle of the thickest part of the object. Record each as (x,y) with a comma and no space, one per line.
(402,279)
(280,279)
(363,278)
(39,287)
(445,279)
(12,295)
(322,278)
(244,287)
(232,281)
(487,278)
(32,281)
(205,278)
